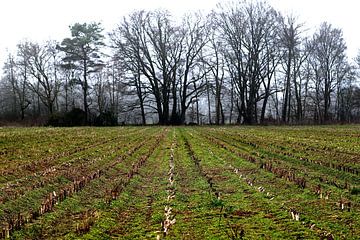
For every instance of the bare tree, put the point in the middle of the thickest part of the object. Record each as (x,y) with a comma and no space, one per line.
(16,74)
(166,55)
(329,65)
(214,60)
(247,29)
(191,71)
(294,54)
(134,41)
(126,60)
(42,65)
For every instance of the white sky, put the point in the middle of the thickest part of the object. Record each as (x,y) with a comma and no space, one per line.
(41,20)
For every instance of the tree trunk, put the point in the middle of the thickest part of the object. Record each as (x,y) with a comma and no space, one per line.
(85,92)
(231,102)
(266,97)
(140,96)
(222,114)
(287,89)
(208,100)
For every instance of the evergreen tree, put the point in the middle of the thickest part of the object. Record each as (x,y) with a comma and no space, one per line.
(82,53)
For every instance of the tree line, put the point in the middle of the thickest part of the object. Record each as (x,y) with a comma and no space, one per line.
(243,63)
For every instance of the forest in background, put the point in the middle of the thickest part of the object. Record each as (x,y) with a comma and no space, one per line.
(244,63)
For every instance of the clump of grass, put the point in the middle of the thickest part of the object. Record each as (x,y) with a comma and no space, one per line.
(355,191)
(215,202)
(235,231)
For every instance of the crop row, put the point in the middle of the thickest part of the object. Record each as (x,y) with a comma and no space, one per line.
(190,183)
(80,177)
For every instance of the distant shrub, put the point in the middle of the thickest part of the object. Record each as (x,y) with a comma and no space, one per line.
(55,120)
(76,117)
(107,118)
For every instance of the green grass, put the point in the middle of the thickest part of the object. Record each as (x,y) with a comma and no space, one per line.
(254,202)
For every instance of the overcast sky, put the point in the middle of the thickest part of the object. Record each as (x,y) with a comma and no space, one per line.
(41,20)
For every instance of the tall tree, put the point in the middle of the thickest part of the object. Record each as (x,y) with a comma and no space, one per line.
(247,29)
(293,56)
(215,63)
(329,65)
(16,74)
(142,40)
(83,51)
(130,44)
(167,55)
(42,66)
